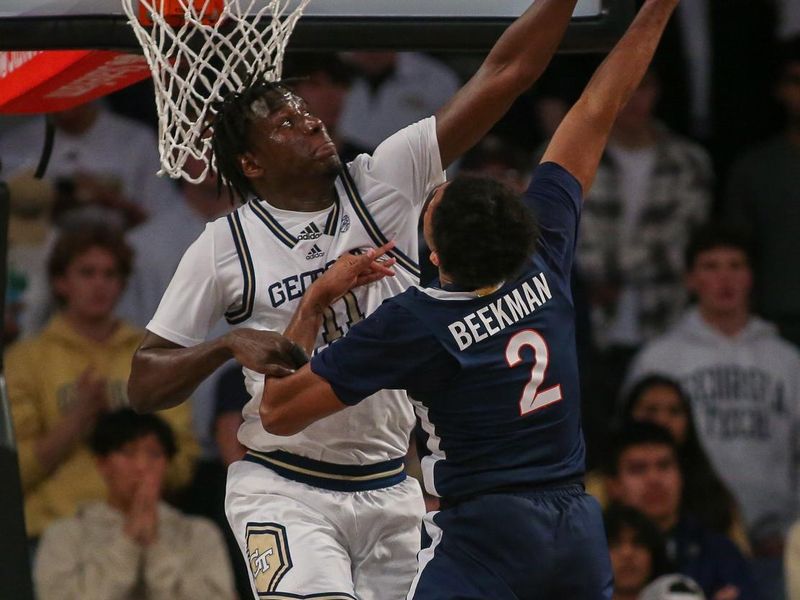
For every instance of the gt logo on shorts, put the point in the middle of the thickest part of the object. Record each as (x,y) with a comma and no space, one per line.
(267,555)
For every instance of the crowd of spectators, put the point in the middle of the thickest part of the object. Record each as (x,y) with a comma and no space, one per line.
(687,293)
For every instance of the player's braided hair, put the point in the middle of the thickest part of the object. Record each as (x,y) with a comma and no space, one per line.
(230,126)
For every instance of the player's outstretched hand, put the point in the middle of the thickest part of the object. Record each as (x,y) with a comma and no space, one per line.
(351,271)
(264,352)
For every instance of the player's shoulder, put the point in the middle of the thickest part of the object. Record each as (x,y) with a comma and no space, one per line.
(404,308)
(554,174)
(403,138)
(402,304)
(220,238)
(434,305)
(224,225)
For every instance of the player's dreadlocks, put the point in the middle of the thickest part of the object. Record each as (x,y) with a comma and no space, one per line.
(230,125)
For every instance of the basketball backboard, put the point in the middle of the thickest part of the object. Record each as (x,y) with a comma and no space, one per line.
(327,24)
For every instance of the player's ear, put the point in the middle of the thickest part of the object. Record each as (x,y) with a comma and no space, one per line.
(250,166)
(435,258)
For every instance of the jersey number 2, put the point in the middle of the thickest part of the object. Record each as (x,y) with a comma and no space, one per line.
(532,397)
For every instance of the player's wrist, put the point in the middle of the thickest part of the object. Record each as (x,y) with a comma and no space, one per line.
(316,300)
(225,346)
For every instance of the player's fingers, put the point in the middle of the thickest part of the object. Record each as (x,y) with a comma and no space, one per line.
(382,268)
(385,261)
(376,253)
(277,371)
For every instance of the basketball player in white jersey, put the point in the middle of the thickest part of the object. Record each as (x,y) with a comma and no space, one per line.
(328,513)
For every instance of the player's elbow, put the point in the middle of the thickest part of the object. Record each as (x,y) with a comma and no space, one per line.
(508,80)
(141,396)
(137,397)
(279,425)
(277,420)
(600,108)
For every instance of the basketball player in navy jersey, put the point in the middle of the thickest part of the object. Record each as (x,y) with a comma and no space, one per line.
(489,358)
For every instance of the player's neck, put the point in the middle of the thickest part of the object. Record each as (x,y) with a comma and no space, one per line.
(302,195)
(444,279)
(447,283)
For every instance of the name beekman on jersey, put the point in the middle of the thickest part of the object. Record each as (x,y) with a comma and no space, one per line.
(506,310)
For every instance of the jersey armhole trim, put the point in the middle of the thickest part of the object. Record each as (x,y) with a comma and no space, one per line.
(374,232)
(241,314)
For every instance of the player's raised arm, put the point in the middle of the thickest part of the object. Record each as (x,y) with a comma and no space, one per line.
(579,141)
(515,62)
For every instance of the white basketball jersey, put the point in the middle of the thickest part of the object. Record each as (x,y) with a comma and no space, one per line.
(253,267)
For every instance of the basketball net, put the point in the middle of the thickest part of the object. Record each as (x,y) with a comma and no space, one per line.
(199,51)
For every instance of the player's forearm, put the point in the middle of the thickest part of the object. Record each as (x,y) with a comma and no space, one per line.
(307,321)
(530,42)
(290,404)
(163,377)
(517,60)
(307,318)
(580,139)
(622,71)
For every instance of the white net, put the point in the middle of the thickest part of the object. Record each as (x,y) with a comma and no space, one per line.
(198,58)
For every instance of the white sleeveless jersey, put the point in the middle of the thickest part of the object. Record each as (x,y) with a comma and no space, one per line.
(253,266)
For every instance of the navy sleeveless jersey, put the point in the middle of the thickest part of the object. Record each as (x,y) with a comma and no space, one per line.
(494,378)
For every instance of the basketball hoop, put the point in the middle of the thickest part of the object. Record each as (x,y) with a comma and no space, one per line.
(199,51)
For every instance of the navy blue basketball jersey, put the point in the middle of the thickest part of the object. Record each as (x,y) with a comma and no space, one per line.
(494,378)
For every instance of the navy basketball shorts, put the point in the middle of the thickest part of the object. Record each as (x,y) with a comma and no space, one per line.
(536,545)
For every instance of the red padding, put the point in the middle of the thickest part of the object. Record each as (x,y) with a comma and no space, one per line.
(53,80)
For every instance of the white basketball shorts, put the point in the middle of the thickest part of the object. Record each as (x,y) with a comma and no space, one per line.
(305,541)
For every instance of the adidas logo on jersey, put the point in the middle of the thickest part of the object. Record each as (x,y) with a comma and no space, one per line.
(311,232)
(315,252)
